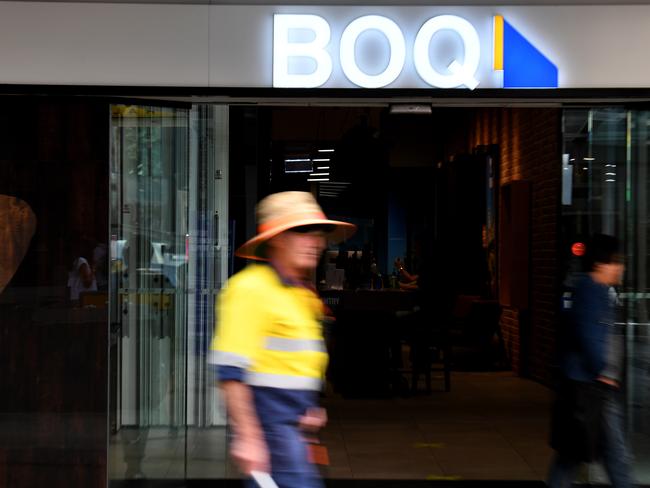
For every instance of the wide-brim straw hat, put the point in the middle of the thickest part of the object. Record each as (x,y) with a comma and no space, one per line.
(285,210)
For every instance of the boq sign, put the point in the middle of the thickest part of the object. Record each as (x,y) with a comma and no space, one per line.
(286,48)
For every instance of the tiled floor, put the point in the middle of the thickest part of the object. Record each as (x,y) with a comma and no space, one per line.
(490,426)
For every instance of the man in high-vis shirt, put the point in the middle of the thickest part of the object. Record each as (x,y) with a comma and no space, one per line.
(268,346)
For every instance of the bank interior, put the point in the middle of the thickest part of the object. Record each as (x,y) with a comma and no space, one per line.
(421,382)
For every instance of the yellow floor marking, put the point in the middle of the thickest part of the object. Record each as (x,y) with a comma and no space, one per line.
(433,445)
(434,477)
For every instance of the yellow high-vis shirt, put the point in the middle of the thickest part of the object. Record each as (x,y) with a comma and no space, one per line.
(268,333)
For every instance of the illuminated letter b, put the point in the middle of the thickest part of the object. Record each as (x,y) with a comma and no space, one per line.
(314,49)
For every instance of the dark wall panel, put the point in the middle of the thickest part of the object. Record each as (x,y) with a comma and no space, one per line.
(53,351)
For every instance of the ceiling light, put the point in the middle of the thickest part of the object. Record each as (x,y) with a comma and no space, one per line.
(318,179)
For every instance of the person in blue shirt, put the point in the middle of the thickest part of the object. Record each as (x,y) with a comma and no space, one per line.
(588,422)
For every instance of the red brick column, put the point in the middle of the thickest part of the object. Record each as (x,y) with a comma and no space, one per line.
(530,145)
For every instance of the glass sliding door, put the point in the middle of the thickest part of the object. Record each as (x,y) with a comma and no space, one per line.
(637,296)
(605,189)
(168,249)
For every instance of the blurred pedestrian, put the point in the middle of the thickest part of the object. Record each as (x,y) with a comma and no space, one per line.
(588,423)
(269,348)
(81,275)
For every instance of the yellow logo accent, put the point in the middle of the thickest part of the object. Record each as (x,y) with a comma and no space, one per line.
(498,43)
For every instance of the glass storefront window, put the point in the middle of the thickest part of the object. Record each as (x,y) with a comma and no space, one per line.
(159,237)
(170,254)
(168,261)
(605,190)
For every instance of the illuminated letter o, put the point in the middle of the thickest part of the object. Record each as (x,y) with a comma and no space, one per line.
(397,56)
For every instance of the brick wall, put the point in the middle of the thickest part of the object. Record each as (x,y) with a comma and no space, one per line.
(529,144)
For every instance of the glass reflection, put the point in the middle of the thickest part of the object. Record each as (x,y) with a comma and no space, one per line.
(606,150)
(168,251)
(149,185)
(53,208)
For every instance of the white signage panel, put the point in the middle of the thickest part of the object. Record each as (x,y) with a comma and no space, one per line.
(464,47)
(426,47)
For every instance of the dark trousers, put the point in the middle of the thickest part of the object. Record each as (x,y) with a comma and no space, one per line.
(611,445)
(290,466)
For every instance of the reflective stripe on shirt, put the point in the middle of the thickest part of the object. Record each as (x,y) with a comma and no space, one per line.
(283,381)
(224,358)
(266,326)
(294,345)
